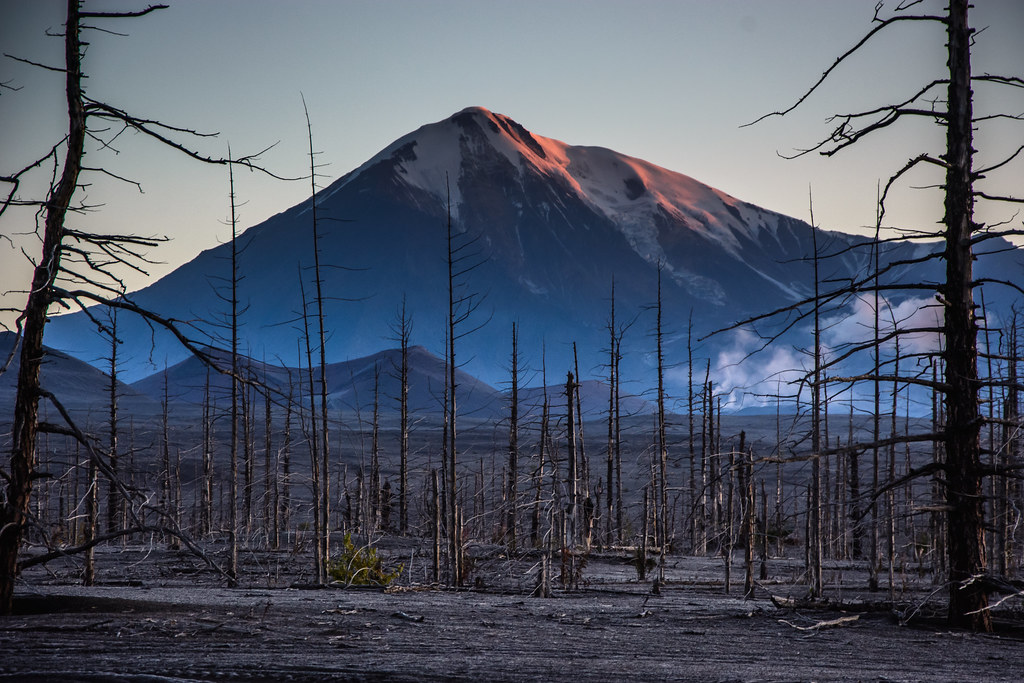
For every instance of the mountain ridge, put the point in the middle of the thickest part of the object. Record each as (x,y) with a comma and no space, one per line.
(553,225)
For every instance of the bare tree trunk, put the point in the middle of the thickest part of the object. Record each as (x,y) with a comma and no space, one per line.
(853,469)
(890,495)
(325,479)
(938,527)
(232,565)
(662,446)
(269,469)
(587,525)
(285,498)
(779,503)
(513,447)
(92,501)
(435,498)
(541,450)
(619,512)
(403,330)
(814,509)
(572,477)
(114,513)
(26,405)
(764,532)
(968,602)
(713,478)
(610,498)
(312,438)
(876,420)
(1009,508)
(247,458)
(166,472)
(641,558)
(455,549)
(749,526)
(695,518)
(375,488)
(206,485)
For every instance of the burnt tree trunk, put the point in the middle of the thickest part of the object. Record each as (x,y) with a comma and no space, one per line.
(968,602)
(513,445)
(26,404)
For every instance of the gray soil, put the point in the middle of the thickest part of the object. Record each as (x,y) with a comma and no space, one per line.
(161,616)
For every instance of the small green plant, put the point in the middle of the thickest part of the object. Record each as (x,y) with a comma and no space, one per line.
(361,567)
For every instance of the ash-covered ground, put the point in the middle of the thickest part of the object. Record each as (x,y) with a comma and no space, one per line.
(159,615)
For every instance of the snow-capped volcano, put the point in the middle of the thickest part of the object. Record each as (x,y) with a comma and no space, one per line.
(544,227)
(639,198)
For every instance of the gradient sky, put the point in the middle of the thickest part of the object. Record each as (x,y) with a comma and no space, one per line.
(668,81)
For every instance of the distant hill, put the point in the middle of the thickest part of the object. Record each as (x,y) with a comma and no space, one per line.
(80,387)
(350,384)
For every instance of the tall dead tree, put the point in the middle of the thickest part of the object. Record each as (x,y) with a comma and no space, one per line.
(542,443)
(572,475)
(968,601)
(513,445)
(612,400)
(402,330)
(375,489)
(462,257)
(232,563)
(41,295)
(325,480)
(206,484)
(662,445)
(269,466)
(584,462)
(876,418)
(114,520)
(696,533)
(285,455)
(313,441)
(814,540)
(454,545)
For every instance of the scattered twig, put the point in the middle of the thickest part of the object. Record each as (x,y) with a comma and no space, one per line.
(828,623)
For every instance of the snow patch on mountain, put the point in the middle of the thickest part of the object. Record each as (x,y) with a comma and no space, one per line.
(629,191)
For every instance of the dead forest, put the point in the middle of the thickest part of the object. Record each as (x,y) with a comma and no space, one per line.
(883,478)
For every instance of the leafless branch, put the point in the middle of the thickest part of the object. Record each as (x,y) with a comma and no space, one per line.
(842,58)
(998,198)
(122,15)
(37,64)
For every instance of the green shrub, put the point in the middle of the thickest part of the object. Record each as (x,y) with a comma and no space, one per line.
(361,567)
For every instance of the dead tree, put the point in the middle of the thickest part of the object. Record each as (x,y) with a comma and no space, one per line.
(662,532)
(375,486)
(402,330)
(614,508)
(235,370)
(285,456)
(206,485)
(325,480)
(542,443)
(463,257)
(612,401)
(513,446)
(114,517)
(587,529)
(269,467)
(697,540)
(313,441)
(814,540)
(572,460)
